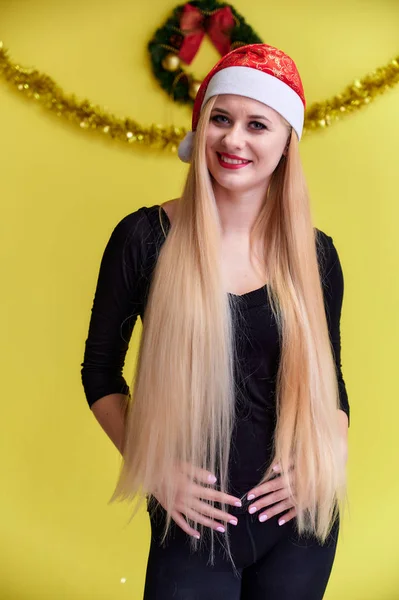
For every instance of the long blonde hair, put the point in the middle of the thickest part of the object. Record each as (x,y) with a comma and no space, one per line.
(183,390)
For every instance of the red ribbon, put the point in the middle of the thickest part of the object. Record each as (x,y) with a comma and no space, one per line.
(194,25)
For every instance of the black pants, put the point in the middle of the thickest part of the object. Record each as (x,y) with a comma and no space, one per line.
(273,562)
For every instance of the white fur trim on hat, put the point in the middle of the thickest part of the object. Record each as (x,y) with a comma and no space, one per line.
(186,147)
(261,86)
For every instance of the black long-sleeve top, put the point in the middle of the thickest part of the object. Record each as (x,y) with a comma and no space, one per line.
(120,297)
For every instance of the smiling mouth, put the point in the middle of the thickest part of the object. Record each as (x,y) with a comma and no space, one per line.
(232,161)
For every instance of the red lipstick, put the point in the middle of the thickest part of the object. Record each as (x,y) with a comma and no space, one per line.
(233,157)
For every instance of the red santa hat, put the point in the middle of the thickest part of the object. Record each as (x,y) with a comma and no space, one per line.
(256,71)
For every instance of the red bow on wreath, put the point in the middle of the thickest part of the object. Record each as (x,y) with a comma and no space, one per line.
(194,25)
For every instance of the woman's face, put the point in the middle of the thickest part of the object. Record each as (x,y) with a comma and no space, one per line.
(244,144)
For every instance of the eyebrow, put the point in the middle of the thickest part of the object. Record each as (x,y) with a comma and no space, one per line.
(249,116)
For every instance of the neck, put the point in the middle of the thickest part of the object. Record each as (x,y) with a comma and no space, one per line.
(238,210)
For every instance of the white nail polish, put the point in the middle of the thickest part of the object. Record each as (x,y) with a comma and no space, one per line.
(251,497)
(262,518)
(221,529)
(281,522)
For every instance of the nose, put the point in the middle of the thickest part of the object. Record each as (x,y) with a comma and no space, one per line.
(233,138)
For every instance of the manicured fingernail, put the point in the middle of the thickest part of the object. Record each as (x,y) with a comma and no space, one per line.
(233,522)
(238,503)
(221,529)
(251,496)
(212,479)
(276,468)
(281,522)
(253,509)
(197,535)
(262,518)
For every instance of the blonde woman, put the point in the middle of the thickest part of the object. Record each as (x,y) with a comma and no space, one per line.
(236,434)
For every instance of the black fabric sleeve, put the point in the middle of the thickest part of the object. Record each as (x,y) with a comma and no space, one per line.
(333,290)
(116,305)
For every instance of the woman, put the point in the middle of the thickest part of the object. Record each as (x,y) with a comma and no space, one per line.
(238,386)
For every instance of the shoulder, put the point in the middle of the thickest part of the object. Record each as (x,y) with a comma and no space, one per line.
(139,221)
(147,218)
(135,237)
(323,240)
(170,207)
(140,227)
(327,254)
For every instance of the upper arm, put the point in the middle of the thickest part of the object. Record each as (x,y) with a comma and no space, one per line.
(116,305)
(332,280)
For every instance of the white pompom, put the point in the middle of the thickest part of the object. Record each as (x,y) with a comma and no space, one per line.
(186,147)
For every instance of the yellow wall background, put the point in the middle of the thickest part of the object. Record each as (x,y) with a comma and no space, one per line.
(63,191)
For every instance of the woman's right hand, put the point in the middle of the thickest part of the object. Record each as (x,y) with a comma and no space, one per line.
(189,501)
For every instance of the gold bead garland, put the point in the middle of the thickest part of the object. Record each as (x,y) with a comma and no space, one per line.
(354,97)
(86,115)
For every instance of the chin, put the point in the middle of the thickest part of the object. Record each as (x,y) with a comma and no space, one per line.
(233,186)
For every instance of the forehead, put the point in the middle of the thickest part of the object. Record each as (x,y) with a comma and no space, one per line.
(243,104)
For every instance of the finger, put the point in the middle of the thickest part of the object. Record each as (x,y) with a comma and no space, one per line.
(287,517)
(182,523)
(199,474)
(195,516)
(282,506)
(266,488)
(206,509)
(210,494)
(268,501)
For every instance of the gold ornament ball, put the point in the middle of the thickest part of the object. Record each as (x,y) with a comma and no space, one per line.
(171,62)
(194,87)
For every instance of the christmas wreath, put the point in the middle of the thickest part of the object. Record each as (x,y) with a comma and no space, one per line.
(178,41)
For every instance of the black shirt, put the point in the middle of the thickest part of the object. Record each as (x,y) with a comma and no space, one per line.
(120,297)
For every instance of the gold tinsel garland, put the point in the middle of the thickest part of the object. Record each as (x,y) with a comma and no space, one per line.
(86,115)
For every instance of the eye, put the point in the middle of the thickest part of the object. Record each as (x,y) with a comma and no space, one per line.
(223,120)
(261,125)
(217,118)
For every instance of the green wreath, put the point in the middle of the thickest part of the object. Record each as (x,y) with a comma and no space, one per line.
(178,40)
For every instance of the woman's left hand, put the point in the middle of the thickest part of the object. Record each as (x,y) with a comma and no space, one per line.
(274,491)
